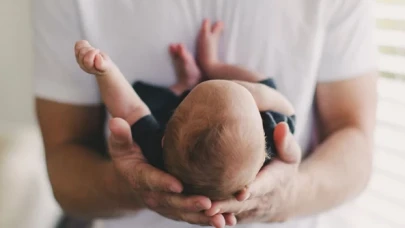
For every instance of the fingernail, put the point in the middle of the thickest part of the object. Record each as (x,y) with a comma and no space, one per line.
(175,189)
(198,206)
(247,196)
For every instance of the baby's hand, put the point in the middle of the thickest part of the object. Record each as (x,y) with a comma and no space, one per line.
(92,60)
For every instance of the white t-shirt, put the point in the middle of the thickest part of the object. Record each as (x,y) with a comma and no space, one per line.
(299,43)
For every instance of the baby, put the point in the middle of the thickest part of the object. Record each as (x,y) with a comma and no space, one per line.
(213,129)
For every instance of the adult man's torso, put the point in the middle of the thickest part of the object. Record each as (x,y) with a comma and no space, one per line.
(281,39)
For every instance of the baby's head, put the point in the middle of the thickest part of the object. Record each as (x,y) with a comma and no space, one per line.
(214,143)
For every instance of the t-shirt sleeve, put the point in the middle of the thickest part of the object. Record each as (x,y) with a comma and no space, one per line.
(348,48)
(57,76)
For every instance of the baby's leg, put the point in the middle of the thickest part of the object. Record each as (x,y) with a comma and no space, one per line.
(119,97)
(208,41)
(187,72)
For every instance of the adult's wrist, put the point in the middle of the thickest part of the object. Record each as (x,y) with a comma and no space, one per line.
(302,195)
(119,191)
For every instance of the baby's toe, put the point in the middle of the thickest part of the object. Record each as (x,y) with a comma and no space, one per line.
(217,28)
(184,54)
(206,27)
(172,49)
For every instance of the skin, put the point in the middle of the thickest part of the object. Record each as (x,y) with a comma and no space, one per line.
(122,101)
(265,98)
(242,141)
(295,189)
(69,132)
(88,185)
(126,183)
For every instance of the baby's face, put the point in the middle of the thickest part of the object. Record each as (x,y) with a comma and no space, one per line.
(219,123)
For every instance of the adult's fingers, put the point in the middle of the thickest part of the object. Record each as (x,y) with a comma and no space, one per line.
(289,155)
(231,206)
(156,200)
(197,218)
(266,179)
(148,178)
(121,143)
(243,195)
(217,221)
(288,149)
(230,219)
(129,160)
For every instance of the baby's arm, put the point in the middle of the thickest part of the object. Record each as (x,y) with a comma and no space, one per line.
(119,97)
(268,98)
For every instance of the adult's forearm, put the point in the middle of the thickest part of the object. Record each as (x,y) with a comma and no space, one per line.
(337,171)
(86,184)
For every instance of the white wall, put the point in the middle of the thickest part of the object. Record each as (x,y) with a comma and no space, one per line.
(16,102)
(26,198)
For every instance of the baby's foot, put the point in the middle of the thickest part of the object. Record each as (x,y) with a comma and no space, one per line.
(208,40)
(92,60)
(187,71)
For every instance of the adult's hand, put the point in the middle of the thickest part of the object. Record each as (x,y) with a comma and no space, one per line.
(271,197)
(154,188)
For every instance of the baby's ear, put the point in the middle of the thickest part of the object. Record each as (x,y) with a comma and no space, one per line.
(163,139)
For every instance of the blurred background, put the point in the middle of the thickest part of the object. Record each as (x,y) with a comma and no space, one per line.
(26,199)
(25,196)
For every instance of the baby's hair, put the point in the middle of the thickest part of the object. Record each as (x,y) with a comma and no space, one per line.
(195,149)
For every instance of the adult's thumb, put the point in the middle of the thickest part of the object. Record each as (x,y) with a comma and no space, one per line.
(287,148)
(120,140)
